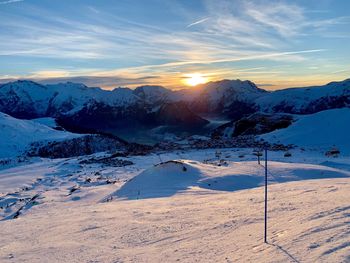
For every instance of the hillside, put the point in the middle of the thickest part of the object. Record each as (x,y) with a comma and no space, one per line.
(172,177)
(306,100)
(16,135)
(147,109)
(205,212)
(319,131)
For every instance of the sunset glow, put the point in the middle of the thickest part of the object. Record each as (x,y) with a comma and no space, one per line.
(195,79)
(275,44)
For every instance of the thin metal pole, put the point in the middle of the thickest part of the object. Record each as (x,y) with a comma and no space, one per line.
(265,232)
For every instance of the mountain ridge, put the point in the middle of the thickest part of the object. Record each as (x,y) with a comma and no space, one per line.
(81,108)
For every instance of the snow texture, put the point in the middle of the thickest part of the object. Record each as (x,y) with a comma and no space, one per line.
(320,131)
(212,211)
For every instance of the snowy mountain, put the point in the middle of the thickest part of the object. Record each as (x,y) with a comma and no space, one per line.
(307,100)
(177,205)
(153,94)
(232,98)
(31,138)
(254,124)
(17,135)
(27,99)
(319,131)
(80,108)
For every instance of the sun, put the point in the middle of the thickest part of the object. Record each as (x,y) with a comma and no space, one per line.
(194,79)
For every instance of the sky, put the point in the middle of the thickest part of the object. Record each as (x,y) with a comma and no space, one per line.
(276,44)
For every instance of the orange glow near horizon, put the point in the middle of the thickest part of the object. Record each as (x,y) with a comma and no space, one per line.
(194,79)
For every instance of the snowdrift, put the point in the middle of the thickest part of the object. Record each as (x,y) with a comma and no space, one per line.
(319,131)
(164,179)
(167,179)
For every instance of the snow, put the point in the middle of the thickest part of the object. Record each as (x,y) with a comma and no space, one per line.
(79,95)
(28,93)
(179,206)
(212,211)
(299,98)
(153,94)
(319,131)
(14,178)
(168,178)
(63,97)
(16,135)
(215,93)
(48,121)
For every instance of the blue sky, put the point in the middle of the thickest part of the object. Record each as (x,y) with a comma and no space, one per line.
(104,43)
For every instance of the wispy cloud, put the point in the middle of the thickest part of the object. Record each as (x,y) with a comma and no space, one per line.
(284,18)
(197,22)
(265,56)
(10,2)
(235,38)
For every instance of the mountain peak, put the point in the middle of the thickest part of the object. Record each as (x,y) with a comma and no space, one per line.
(337,83)
(152,94)
(25,84)
(236,84)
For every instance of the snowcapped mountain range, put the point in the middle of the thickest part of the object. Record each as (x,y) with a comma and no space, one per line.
(26,99)
(307,100)
(79,108)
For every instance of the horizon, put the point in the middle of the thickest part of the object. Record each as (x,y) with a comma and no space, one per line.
(175,44)
(264,87)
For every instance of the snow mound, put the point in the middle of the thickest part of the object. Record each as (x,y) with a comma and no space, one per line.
(167,179)
(319,131)
(16,135)
(164,179)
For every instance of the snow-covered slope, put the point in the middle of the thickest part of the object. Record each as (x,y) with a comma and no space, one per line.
(52,99)
(307,99)
(230,89)
(81,108)
(169,178)
(16,135)
(66,219)
(221,96)
(153,94)
(319,131)
(28,99)
(25,98)
(48,121)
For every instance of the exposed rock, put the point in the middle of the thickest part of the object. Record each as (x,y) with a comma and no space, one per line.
(255,124)
(78,146)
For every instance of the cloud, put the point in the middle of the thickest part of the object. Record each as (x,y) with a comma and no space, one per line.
(10,2)
(265,85)
(197,22)
(284,18)
(232,36)
(108,82)
(223,60)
